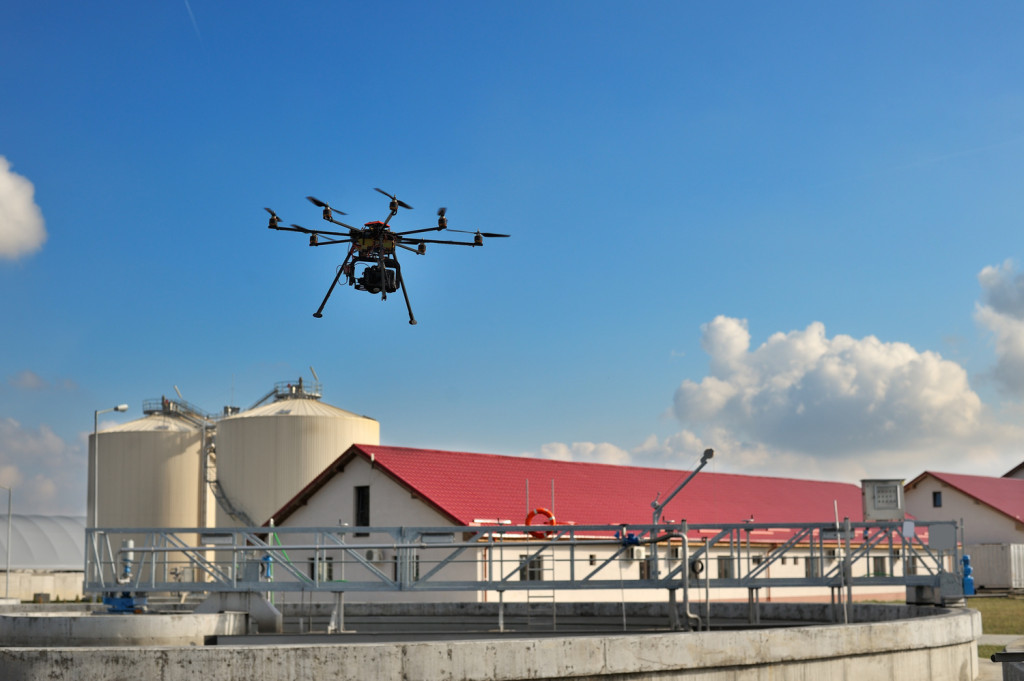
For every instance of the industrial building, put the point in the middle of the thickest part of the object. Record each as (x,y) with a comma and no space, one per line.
(373,485)
(46,556)
(293,461)
(992,511)
(180,466)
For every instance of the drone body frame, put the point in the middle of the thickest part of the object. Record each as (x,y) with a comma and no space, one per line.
(375,246)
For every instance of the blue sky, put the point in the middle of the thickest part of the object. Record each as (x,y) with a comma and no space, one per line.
(787,231)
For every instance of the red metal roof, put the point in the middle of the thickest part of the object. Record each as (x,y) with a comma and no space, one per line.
(471,487)
(1005,495)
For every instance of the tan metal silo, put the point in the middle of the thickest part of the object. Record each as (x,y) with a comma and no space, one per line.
(267,454)
(149,473)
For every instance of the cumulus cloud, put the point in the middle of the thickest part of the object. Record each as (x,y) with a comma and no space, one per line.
(585,451)
(803,404)
(804,392)
(1001,311)
(22,229)
(45,473)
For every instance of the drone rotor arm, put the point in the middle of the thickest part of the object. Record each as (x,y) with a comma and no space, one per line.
(419,231)
(342,224)
(293,228)
(439,241)
(300,228)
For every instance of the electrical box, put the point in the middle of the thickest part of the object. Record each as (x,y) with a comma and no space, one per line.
(883,500)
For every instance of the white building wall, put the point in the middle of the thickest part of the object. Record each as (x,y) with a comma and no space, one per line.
(392,505)
(982,524)
(25,585)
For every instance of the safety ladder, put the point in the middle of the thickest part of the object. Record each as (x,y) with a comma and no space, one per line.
(543,596)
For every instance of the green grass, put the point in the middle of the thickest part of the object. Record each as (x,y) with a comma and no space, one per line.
(1000,615)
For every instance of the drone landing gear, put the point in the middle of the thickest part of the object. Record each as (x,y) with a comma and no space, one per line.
(379,280)
(398,269)
(341,270)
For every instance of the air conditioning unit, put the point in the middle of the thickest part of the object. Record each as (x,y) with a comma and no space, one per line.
(375,555)
(636,553)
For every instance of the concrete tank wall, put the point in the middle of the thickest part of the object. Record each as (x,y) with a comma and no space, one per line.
(93,629)
(937,648)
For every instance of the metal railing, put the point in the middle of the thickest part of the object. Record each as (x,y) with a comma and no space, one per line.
(515,558)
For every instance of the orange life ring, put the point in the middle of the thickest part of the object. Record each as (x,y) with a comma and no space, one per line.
(546,513)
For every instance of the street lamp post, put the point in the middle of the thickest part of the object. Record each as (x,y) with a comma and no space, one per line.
(96,459)
(7,565)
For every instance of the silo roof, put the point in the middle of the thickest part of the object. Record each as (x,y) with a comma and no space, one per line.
(44,542)
(297,407)
(155,422)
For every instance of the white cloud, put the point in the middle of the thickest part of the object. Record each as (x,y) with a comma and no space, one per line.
(47,475)
(805,405)
(805,393)
(1002,312)
(31,381)
(22,229)
(28,380)
(585,451)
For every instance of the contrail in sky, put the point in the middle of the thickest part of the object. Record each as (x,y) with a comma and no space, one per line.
(193,18)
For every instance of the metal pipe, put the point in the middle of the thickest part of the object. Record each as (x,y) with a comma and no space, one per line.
(656,517)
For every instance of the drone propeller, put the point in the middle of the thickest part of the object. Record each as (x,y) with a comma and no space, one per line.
(487,234)
(394,200)
(274,220)
(323,204)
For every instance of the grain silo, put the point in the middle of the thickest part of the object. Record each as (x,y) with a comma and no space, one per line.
(267,454)
(149,470)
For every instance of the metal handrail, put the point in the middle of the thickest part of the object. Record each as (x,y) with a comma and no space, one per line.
(476,558)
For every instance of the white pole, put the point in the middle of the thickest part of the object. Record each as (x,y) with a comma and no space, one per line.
(95,463)
(7,565)
(96,459)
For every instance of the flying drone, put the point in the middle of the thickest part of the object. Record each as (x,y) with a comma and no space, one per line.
(372,263)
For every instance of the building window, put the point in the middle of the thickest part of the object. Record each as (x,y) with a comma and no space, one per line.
(878,566)
(593,559)
(531,569)
(414,560)
(645,569)
(725,568)
(326,565)
(937,499)
(362,509)
(812,568)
